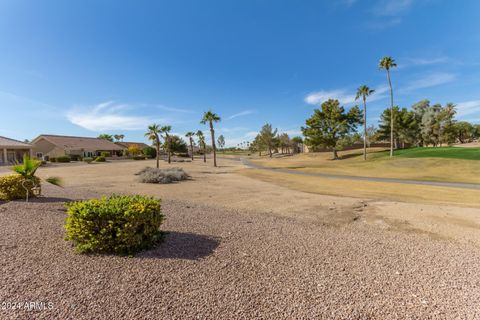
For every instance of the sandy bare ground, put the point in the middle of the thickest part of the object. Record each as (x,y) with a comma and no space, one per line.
(223,187)
(219,263)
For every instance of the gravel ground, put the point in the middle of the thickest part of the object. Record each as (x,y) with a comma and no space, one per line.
(218,264)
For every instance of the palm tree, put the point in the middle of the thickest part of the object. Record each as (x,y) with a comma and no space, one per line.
(121,136)
(211,117)
(201,142)
(166,130)
(364,92)
(152,134)
(190,135)
(386,64)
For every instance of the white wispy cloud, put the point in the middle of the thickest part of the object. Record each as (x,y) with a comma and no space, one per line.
(468,108)
(392,7)
(106,116)
(430,80)
(341,95)
(171,109)
(425,61)
(234,129)
(241,114)
(344,96)
(383,24)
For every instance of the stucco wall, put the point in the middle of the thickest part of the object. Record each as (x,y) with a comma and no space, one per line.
(47,148)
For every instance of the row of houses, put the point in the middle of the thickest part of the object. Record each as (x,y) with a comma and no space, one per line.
(47,146)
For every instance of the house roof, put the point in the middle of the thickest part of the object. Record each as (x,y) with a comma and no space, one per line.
(124,144)
(12,143)
(79,143)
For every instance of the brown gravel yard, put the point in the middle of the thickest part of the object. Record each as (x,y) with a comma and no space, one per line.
(220,263)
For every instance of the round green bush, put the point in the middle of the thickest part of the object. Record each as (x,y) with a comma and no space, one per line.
(53,159)
(63,159)
(11,187)
(87,159)
(100,159)
(138,157)
(115,224)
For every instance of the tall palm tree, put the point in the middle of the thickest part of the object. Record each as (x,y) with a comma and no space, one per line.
(190,135)
(152,134)
(166,130)
(201,142)
(210,117)
(386,64)
(364,92)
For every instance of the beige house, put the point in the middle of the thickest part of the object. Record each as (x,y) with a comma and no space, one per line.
(125,145)
(12,150)
(47,146)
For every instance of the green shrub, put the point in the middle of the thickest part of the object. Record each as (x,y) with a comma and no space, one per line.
(11,187)
(75,157)
(150,152)
(115,224)
(183,155)
(87,159)
(105,154)
(63,159)
(138,157)
(52,159)
(100,159)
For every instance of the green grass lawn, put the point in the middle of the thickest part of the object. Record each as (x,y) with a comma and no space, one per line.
(439,152)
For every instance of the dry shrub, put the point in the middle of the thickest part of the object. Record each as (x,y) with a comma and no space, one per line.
(168,175)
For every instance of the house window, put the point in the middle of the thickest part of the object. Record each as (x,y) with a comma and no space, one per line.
(39,155)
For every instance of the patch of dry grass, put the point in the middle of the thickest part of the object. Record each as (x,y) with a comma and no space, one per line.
(373,190)
(433,169)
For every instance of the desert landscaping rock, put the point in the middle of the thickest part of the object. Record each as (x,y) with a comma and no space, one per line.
(229,264)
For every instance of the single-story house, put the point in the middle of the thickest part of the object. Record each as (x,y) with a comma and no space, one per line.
(125,145)
(47,146)
(12,150)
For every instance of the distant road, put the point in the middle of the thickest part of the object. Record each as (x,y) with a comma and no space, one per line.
(472,186)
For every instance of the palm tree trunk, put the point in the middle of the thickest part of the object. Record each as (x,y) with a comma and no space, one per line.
(212,132)
(191,146)
(391,113)
(364,128)
(204,153)
(169,152)
(158,153)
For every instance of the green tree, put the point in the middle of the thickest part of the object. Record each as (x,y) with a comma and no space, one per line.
(190,135)
(177,144)
(166,131)
(268,137)
(464,131)
(105,136)
(386,63)
(221,141)
(364,92)
(284,142)
(296,143)
(153,135)
(210,117)
(150,152)
(445,118)
(330,127)
(202,144)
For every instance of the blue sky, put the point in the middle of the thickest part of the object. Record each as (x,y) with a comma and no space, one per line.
(90,67)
